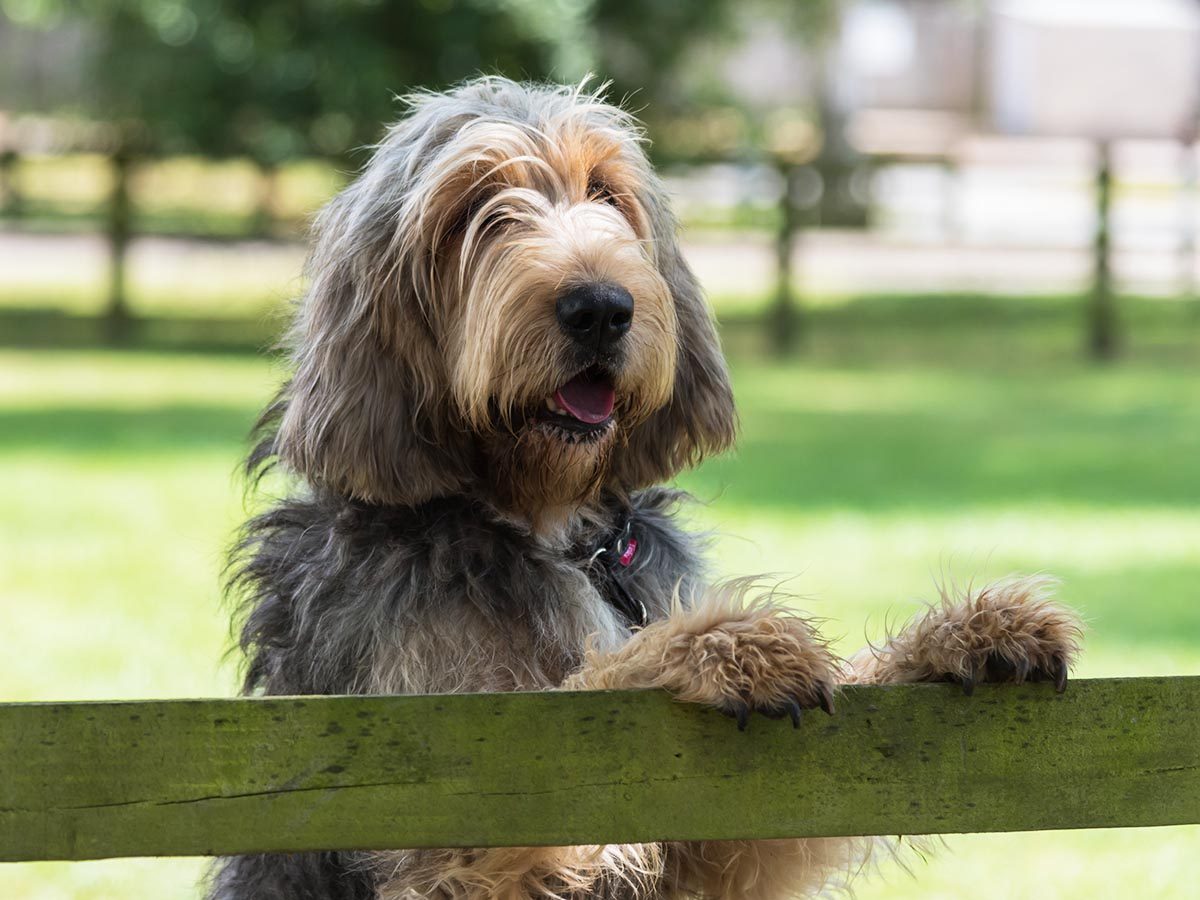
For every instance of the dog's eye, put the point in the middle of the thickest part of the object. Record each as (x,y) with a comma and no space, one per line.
(466,214)
(599,191)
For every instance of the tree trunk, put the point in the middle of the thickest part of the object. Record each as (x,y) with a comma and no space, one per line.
(1101,312)
(784,322)
(10,194)
(266,205)
(1187,217)
(120,214)
(837,162)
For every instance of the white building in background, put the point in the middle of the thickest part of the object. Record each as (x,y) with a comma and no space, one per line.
(1093,69)
(1099,69)
(911,54)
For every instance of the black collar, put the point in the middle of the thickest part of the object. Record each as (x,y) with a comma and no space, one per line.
(609,566)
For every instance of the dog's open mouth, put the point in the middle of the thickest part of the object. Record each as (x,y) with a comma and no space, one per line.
(582,408)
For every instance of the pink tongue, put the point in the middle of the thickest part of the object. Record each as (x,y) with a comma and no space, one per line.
(587,399)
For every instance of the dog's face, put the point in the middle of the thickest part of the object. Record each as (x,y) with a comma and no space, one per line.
(559,331)
(498,306)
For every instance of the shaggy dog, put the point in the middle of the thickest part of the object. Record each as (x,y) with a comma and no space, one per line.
(500,354)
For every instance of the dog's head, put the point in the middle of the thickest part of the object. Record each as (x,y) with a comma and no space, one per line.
(498,306)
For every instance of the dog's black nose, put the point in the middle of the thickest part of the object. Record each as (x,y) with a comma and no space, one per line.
(596,315)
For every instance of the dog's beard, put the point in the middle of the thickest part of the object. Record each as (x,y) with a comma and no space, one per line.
(544,470)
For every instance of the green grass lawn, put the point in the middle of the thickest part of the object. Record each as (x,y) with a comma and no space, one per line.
(899,451)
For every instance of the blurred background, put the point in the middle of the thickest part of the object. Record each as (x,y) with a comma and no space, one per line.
(952,245)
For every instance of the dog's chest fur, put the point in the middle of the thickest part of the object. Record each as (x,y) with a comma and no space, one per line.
(345,597)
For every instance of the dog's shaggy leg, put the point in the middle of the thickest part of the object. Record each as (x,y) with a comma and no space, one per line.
(741,657)
(526,873)
(738,655)
(1009,631)
(764,870)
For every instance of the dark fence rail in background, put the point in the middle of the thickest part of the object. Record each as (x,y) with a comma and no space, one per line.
(201,777)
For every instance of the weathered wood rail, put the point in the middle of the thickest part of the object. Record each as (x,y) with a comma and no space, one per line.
(200,777)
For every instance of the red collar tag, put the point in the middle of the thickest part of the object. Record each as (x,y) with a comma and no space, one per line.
(626,556)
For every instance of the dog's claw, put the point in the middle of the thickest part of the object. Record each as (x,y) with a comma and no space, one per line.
(968,684)
(739,712)
(825,698)
(1021,671)
(795,711)
(1059,668)
(998,670)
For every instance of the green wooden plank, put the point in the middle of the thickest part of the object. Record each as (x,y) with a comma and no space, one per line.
(199,777)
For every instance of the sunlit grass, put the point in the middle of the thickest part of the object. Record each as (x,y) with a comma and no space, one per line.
(118,495)
(863,476)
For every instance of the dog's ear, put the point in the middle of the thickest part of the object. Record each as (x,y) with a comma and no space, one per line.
(700,418)
(365,413)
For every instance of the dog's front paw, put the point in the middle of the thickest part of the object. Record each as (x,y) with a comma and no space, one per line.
(758,659)
(1010,631)
(736,655)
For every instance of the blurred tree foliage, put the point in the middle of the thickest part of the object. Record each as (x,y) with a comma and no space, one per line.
(269,79)
(670,60)
(275,80)
(279,79)
(649,51)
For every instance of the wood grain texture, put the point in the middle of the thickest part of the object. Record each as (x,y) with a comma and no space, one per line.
(201,777)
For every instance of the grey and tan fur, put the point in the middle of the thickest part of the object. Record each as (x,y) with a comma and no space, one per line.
(441,534)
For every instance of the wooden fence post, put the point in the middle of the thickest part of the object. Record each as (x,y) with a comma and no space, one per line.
(11,201)
(786,319)
(1101,309)
(120,215)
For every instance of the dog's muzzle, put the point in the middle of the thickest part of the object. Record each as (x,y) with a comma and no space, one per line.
(595,316)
